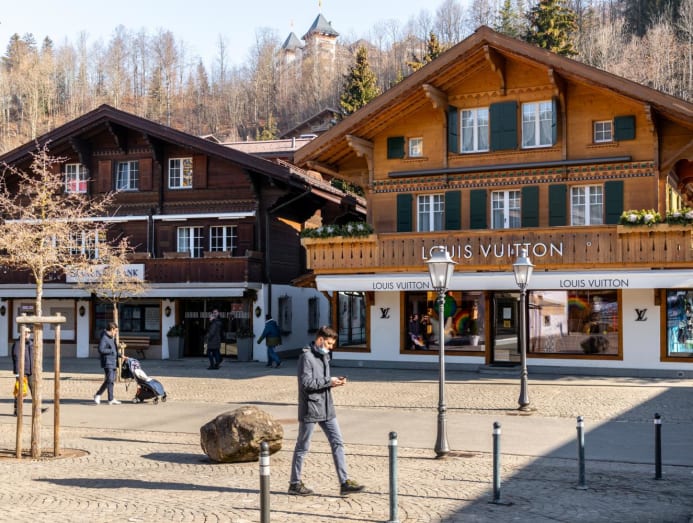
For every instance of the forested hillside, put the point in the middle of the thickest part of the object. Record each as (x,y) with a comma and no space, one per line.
(43,85)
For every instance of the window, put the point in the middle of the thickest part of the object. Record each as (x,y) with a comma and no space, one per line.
(285,314)
(537,124)
(127,175)
(415,147)
(180,173)
(587,205)
(505,210)
(603,131)
(475,130)
(431,211)
(574,322)
(313,314)
(190,241)
(86,243)
(395,147)
(351,318)
(680,323)
(223,238)
(75,178)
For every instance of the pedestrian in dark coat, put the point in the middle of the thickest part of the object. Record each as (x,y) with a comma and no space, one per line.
(213,338)
(109,363)
(315,407)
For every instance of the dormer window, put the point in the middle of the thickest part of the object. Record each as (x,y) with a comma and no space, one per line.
(75,178)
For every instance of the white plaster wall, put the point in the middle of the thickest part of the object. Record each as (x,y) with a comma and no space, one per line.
(82,339)
(299,336)
(166,324)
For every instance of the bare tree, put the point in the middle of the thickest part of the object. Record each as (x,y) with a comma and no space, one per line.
(46,231)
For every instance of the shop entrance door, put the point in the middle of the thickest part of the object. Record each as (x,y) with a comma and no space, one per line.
(505,328)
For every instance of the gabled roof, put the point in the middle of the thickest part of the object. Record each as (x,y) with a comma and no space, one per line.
(321,26)
(106,115)
(292,43)
(452,67)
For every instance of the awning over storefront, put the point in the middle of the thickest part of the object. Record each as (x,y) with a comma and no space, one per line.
(496,281)
(175,290)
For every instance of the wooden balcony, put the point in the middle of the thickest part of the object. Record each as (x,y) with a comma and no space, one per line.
(204,270)
(556,248)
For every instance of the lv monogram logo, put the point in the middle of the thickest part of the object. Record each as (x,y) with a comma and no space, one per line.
(641,314)
(384,313)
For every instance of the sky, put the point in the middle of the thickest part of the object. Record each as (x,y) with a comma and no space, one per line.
(200,23)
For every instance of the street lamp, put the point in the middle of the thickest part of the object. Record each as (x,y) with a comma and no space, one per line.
(523,272)
(441,267)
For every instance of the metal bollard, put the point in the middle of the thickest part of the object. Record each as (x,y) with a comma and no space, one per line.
(658,446)
(496,462)
(264,482)
(393,478)
(581,453)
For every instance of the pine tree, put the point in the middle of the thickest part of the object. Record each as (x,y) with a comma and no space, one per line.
(360,85)
(510,20)
(552,26)
(433,51)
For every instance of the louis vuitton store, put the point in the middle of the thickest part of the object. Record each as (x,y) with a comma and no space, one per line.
(608,322)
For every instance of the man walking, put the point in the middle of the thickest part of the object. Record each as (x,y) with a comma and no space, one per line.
(214,340)
(109,363)
(273,336)
(315,407)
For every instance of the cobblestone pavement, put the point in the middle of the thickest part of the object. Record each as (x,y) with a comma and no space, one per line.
(134,474)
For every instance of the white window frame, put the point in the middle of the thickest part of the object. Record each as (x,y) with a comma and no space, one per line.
(603,131)
(86,243)
(76,178)
(430,212)
(189,239)
(475,121)
(587,205)
(537,116)
(506,209)
(180,173)
(415,147)
(223,238)
(127,175)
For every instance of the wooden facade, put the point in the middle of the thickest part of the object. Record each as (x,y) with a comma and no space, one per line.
(498,145)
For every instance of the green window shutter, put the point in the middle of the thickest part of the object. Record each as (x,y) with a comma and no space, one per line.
(503,122)
(395,147)
(558,209)
(554,120)
(404,216)
(453,130)
(624,128)
(453,209)
(613,201)
(477,209)
(530,206)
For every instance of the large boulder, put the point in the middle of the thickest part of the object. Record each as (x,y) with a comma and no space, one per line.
(236,436)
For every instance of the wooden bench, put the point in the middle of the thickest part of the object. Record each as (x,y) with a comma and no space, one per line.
(136,343)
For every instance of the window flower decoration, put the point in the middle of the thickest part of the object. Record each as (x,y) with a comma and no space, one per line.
(351,229)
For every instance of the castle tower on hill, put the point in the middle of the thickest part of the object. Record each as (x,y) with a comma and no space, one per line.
(320,45)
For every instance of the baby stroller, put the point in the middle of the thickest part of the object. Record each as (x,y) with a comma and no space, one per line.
(147,388)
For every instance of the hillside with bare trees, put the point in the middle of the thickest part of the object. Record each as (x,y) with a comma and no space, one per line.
(43,85)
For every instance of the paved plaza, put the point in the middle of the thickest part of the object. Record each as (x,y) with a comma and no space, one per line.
(143,462)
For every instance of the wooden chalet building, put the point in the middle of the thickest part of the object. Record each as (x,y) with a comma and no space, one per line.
(212,227)
(498,145)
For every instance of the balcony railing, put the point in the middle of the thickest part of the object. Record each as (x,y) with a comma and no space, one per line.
(557,248)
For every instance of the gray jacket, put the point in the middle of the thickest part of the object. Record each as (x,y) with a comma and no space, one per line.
(314,386)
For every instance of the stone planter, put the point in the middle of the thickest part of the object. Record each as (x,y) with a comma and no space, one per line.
(245,349)
(176,347)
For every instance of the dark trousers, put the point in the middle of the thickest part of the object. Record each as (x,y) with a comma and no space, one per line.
(214,356)
(108,380)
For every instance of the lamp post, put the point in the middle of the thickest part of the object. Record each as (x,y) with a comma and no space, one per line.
(441,267)
(523,272)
